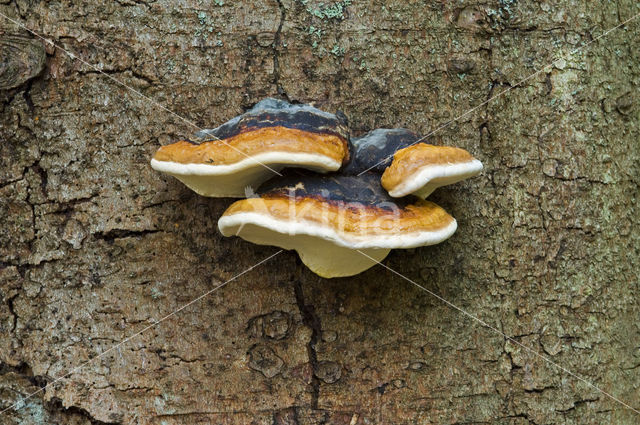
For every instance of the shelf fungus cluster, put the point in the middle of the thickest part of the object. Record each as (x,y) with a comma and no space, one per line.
(342,204)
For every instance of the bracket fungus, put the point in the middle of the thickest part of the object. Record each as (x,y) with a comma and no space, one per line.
(255,146)
(353,202)
(421,168)
(409,166)
(339,225)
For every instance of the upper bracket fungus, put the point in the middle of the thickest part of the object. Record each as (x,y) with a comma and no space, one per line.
(255,146)
(328,219)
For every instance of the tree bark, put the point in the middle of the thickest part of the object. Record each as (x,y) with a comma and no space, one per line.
(96,247)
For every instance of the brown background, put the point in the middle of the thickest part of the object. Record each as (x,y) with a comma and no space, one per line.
(95,246)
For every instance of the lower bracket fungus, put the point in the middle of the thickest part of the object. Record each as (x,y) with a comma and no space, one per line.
(253,147)
(339,225)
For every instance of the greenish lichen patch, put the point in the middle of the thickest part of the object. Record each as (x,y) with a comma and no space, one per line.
(206,27)
(322,19)
(327,11)
(337,51)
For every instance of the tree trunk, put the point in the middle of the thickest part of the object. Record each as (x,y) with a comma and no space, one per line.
(95,246)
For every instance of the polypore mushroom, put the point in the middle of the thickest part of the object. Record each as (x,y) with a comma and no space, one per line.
(339,225)
(410,166)
(255,146)
(421,168)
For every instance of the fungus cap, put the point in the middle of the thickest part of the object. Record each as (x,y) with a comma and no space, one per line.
(255,146)
(329,219)
(421,168)
(374,151)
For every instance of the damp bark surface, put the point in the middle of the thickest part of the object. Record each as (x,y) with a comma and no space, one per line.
(96,247)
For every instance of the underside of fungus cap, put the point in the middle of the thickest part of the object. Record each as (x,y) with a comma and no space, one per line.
(339,225)
(255,146)
(421,168)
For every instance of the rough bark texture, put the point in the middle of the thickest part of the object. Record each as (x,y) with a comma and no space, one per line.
(95,246)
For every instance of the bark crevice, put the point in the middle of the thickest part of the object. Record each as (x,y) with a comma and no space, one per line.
(276,52)
(312,321)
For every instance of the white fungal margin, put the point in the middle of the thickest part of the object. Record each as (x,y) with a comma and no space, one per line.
(230,225)
(306,160)
(430,177)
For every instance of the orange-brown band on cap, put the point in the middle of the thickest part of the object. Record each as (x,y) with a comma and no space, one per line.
(349,218)
(253,142)
(409,160)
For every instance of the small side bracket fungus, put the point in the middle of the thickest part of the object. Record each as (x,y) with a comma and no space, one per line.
(252,147)
(410,166)
(420,169)
(328,219)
